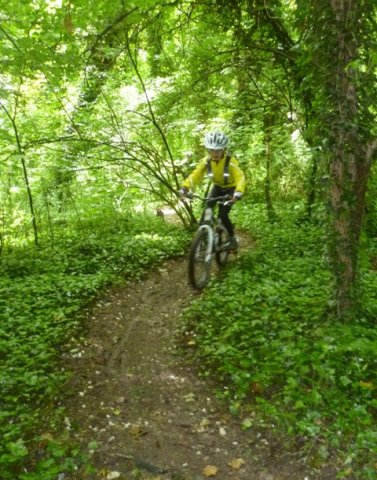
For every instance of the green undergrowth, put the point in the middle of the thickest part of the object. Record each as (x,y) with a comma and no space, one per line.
(265,329)
(42,293)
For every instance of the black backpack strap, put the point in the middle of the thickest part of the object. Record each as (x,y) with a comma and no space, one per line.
(226,168)
(209,168)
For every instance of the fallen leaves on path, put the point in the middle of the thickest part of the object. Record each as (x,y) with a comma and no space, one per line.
(210,471)
(236,463)
(113,475)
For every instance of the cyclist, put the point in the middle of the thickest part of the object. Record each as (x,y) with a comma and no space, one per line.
(226,175)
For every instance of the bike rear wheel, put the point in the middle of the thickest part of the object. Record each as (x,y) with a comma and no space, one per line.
(199,265)
(222,253)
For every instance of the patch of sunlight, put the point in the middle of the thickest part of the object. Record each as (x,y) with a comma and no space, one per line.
(19,219)
(53,5)
(295,135)
(139,208)
(71,103)
(62,48)
(82,176)
(131,95)
(143,54)
(154,237)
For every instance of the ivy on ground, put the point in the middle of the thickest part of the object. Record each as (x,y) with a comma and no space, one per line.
(267,331)
(41,296)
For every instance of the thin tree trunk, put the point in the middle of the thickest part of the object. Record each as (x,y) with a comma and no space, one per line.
(311,198)
(25,173)
(268,124)
(45,193)
(29,195)
(267,183)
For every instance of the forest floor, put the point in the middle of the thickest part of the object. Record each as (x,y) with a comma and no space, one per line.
(143,401)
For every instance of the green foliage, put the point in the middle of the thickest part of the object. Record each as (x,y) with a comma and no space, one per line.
(103,101)
(266,331)
(41,296)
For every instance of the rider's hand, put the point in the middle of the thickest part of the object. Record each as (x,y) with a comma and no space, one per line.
(233,200)
(236,196)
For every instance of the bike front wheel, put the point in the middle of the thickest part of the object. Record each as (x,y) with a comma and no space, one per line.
(200,260)
(222,252)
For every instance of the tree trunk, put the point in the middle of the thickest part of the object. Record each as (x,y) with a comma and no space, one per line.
(311,197)
(268,121)
(267,183)
(30,199)
(349,165)
(25,172)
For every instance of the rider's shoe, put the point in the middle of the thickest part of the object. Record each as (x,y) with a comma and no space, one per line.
(232,244)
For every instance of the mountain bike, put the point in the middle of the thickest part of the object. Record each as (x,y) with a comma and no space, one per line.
(210,240)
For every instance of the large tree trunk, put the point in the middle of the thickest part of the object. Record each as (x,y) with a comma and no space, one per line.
(349,161)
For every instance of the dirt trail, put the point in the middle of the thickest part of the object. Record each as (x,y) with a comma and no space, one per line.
(151,414)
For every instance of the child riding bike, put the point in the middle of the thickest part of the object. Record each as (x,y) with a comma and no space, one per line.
(226,175)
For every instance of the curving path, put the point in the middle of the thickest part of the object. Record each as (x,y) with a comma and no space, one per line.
(145,404)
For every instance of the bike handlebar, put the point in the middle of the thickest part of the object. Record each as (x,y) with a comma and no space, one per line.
(222,198)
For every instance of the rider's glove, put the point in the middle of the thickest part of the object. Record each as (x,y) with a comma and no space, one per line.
(183,192)
(237,196)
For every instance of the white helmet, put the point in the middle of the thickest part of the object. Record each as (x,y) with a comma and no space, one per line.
(216,140)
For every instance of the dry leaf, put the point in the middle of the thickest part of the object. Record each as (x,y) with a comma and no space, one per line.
(113,475)
(256,388)
(136,431)
(210,471)
(367,385)
(47,437)
(204,423)
(348,471)
(236,463)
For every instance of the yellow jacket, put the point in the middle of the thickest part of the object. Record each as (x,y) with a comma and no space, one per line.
(236,177)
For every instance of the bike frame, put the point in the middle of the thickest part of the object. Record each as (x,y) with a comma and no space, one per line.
(203,247)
